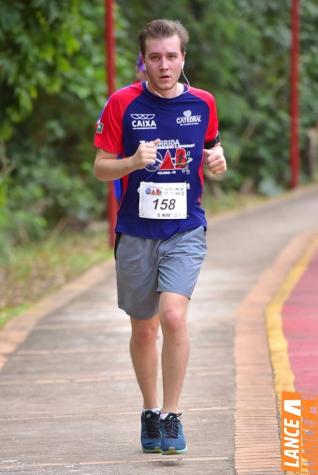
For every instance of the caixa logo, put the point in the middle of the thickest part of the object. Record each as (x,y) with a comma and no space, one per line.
(143,121)
(188,119)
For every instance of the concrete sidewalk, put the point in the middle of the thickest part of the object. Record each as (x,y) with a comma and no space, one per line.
(69,403)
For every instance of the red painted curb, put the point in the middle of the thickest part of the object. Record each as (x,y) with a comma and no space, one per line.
(300,327)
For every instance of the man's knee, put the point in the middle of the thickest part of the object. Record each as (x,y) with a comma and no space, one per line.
(173,319)
(173,310)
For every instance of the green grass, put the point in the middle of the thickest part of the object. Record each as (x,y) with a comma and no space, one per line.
(10,312)
(35,270)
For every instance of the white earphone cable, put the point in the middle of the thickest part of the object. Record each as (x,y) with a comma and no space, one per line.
(185,77)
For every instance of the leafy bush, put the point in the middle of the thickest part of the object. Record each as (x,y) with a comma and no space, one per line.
(54,70)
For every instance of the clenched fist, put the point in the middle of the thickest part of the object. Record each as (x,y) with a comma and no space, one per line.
(214,159)
(145,154)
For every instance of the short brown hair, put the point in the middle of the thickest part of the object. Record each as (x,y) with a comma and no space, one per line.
(163,29)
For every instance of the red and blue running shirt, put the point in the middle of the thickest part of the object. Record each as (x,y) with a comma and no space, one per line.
(185,125)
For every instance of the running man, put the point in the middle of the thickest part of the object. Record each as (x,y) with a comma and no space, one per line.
(166,132)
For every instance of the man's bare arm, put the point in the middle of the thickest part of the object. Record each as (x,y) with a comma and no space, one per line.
(107,167)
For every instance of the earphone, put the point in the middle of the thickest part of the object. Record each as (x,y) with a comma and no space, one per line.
(182,64)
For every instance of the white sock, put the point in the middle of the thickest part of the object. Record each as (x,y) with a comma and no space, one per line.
(163,415)
(155,409)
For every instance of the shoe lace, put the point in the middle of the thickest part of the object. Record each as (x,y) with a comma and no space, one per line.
(171,424)
(152,423)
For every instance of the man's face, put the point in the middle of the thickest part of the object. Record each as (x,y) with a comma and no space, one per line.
(163,59)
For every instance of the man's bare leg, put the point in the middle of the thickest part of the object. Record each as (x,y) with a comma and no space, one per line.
(175,349)
(144,355)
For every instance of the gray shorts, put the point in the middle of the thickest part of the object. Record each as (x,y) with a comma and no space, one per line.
(146,267)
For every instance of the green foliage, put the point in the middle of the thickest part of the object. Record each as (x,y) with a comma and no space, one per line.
(54,68)
(309,66)
(51,175)
(39,40)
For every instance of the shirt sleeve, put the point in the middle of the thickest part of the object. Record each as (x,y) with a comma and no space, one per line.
(212,133)
(109,130)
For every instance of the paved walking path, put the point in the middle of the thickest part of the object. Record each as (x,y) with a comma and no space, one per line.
(69,403)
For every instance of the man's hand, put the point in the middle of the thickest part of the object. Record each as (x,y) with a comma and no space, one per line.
(214,159)
(145,154)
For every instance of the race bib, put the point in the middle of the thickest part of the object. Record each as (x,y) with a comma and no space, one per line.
(163,200)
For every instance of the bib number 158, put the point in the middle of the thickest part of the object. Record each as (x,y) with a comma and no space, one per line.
(163,200)
(164,204)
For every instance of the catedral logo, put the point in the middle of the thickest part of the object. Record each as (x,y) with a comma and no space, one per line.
(188,119)
(299,433)
(143,121)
